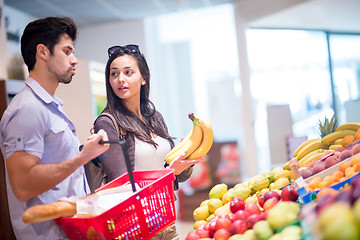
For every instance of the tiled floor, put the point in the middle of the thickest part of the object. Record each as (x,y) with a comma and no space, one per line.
(183,228)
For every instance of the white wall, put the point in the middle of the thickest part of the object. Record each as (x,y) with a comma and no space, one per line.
(93,42)
(332,15)
(78,100)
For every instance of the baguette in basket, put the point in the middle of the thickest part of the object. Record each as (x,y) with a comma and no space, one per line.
(50,211)
(89,206)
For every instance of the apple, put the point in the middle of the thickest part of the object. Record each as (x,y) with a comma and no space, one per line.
(238,227)
(261,199)
(306,172)
(270,203)
(222,234)
(312,163)
(237,204)
(223,222)
(289,193)
(264,215)
(356,148)
(202,232)
(271,194)
(331,161)
(320,166)
(252,208)
(192,236)
(252,219)
(241,215)
(347,153)
(212,228)
(231,216)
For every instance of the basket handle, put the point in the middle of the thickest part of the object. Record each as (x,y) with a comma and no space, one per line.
(124,147)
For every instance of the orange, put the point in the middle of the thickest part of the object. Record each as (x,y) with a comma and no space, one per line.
(346,140)
(349,172)
(326,191)
(323,184)
(338,175)
(314,182)
(357,167)
(343,166)
(354,160)
(357,135)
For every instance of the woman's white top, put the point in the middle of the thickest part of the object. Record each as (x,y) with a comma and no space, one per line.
(147,157)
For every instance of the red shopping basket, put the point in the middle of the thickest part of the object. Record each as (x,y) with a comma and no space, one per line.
(140,217)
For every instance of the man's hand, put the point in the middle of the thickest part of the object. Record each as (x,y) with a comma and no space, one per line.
(92,148)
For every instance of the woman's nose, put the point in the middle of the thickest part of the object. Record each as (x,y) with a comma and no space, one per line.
(121,77)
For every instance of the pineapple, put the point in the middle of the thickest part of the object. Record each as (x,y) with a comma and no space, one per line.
(328,126)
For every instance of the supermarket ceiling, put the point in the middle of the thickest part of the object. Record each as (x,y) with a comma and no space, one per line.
(91,12)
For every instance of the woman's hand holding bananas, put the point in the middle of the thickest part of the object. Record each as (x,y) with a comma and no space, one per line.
(193,147)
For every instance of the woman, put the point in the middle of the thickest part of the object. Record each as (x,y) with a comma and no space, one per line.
(127,88)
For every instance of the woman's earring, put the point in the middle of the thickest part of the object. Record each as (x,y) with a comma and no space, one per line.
(143,82)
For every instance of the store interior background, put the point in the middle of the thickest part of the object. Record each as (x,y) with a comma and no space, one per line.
(264,71)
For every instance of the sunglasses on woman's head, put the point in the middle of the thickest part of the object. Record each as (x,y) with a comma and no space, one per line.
(132,48)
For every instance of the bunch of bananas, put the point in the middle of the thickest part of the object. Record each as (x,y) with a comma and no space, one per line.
(313,149)
(197,143)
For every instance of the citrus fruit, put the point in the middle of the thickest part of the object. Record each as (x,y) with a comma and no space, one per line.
(346,140)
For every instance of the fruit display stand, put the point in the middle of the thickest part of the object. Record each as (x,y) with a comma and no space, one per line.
(264,207)
(308,196)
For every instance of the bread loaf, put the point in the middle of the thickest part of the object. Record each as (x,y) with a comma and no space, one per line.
(40,213)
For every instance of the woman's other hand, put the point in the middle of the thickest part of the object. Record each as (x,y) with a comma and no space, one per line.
(180,164)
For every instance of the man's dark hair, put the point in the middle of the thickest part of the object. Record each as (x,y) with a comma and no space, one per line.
(45,31)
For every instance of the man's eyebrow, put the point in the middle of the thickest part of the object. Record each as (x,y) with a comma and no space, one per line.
(69,47)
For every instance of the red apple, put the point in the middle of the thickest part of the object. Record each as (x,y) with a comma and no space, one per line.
(238,227)
(202,232)
(222,234)
(270,203)
(192,236)
(223,222)
(252,208)
(271,194)
(264,215)
(289,193)
(212,228)
(237,204)
(252,219)
(241,215)
(231,216)
(261,199)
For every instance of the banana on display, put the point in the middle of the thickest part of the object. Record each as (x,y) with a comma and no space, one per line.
(197,143)
(313,145)
(304,144)
(336,135)
(316,156)
(349,126)
(311,156)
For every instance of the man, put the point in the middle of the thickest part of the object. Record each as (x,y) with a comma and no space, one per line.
(38,140)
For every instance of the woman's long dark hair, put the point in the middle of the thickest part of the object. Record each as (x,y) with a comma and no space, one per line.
(125,118)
